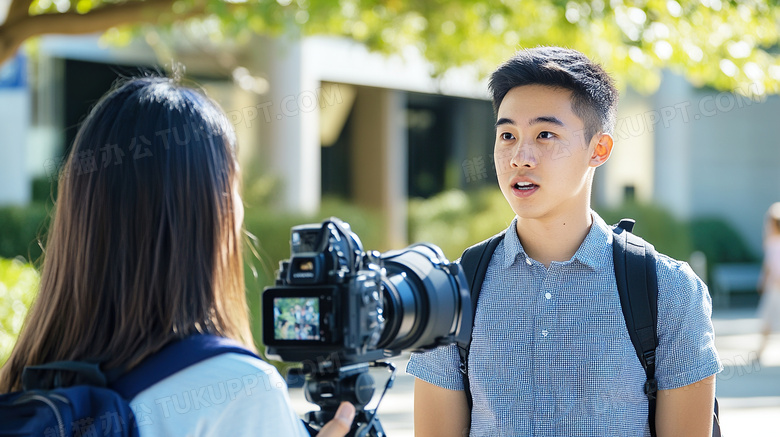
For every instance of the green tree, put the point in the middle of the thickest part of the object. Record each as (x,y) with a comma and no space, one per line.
(728,44)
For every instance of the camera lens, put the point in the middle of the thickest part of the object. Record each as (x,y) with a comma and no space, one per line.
(422,299)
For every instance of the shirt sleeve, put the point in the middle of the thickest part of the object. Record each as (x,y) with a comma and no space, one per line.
(440,367)
(686,339)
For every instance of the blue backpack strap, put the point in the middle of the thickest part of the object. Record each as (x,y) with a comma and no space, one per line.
(51,404)
(637,284)
(475,261)
(172,358)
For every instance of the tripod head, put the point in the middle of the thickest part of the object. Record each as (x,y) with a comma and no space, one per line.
(350,383)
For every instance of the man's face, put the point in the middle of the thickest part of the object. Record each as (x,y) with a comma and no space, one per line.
(543,162)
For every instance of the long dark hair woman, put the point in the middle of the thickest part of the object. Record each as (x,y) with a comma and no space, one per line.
(144,250)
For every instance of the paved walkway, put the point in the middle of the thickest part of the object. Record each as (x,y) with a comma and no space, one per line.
(748,391)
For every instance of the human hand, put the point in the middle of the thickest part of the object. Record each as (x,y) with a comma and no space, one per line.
(340,425)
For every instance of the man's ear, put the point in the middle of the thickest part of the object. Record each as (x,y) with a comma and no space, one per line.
(603,149)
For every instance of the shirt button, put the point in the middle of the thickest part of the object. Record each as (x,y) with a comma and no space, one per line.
(547,296)
(544,333)
(528,261)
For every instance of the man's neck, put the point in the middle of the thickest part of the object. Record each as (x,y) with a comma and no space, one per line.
(554,238)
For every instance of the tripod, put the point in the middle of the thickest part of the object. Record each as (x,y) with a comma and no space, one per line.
(352,384)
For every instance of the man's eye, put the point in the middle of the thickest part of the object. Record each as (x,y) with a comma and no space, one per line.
(546,135)
(507,136)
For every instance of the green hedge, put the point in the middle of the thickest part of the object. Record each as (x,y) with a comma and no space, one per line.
(21,229)
(454,220)
(713,236)
(720,243)
(656,225)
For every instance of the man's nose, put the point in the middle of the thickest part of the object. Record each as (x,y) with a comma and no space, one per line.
(526,155)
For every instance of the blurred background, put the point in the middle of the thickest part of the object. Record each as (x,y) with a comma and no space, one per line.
(377,112)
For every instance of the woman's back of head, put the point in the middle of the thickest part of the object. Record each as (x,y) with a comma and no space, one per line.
(144,246)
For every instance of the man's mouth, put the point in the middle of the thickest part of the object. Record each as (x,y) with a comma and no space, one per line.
(525,186)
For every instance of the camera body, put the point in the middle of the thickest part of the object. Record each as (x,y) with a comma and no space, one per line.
(332,299)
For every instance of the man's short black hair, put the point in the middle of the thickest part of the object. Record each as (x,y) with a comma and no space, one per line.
(594,97)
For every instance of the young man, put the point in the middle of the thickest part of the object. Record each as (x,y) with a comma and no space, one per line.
(551,355)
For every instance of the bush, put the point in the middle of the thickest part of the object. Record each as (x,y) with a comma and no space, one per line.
(670,236)
(454,220)
(44,190)
(18,287)
(713,236)
(719,242)
(22,228)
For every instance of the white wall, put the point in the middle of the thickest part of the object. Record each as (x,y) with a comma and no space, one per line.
(736,169)
(15,188)
(670,122)
(718,155)
(632,157)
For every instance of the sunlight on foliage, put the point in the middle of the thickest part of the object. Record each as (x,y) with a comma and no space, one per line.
(18,287)
(724,44)
(727,45)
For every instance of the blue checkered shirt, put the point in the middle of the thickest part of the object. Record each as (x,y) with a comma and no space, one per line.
(551,355)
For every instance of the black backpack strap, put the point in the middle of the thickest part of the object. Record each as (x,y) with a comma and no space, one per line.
(475,261)
(637,285)
(716,421)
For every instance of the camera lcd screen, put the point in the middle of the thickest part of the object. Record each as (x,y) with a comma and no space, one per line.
(300,316)
(296,318)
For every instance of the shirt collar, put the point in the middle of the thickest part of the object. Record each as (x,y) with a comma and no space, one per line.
(512,247)
(595,250)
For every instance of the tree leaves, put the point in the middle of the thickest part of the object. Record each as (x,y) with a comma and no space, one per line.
(726,44)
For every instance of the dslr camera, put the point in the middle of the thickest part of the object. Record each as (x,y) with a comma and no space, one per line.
(338,308)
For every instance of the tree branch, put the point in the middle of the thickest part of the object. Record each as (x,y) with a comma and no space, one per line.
(73,23)
(18,10)
(14,33)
